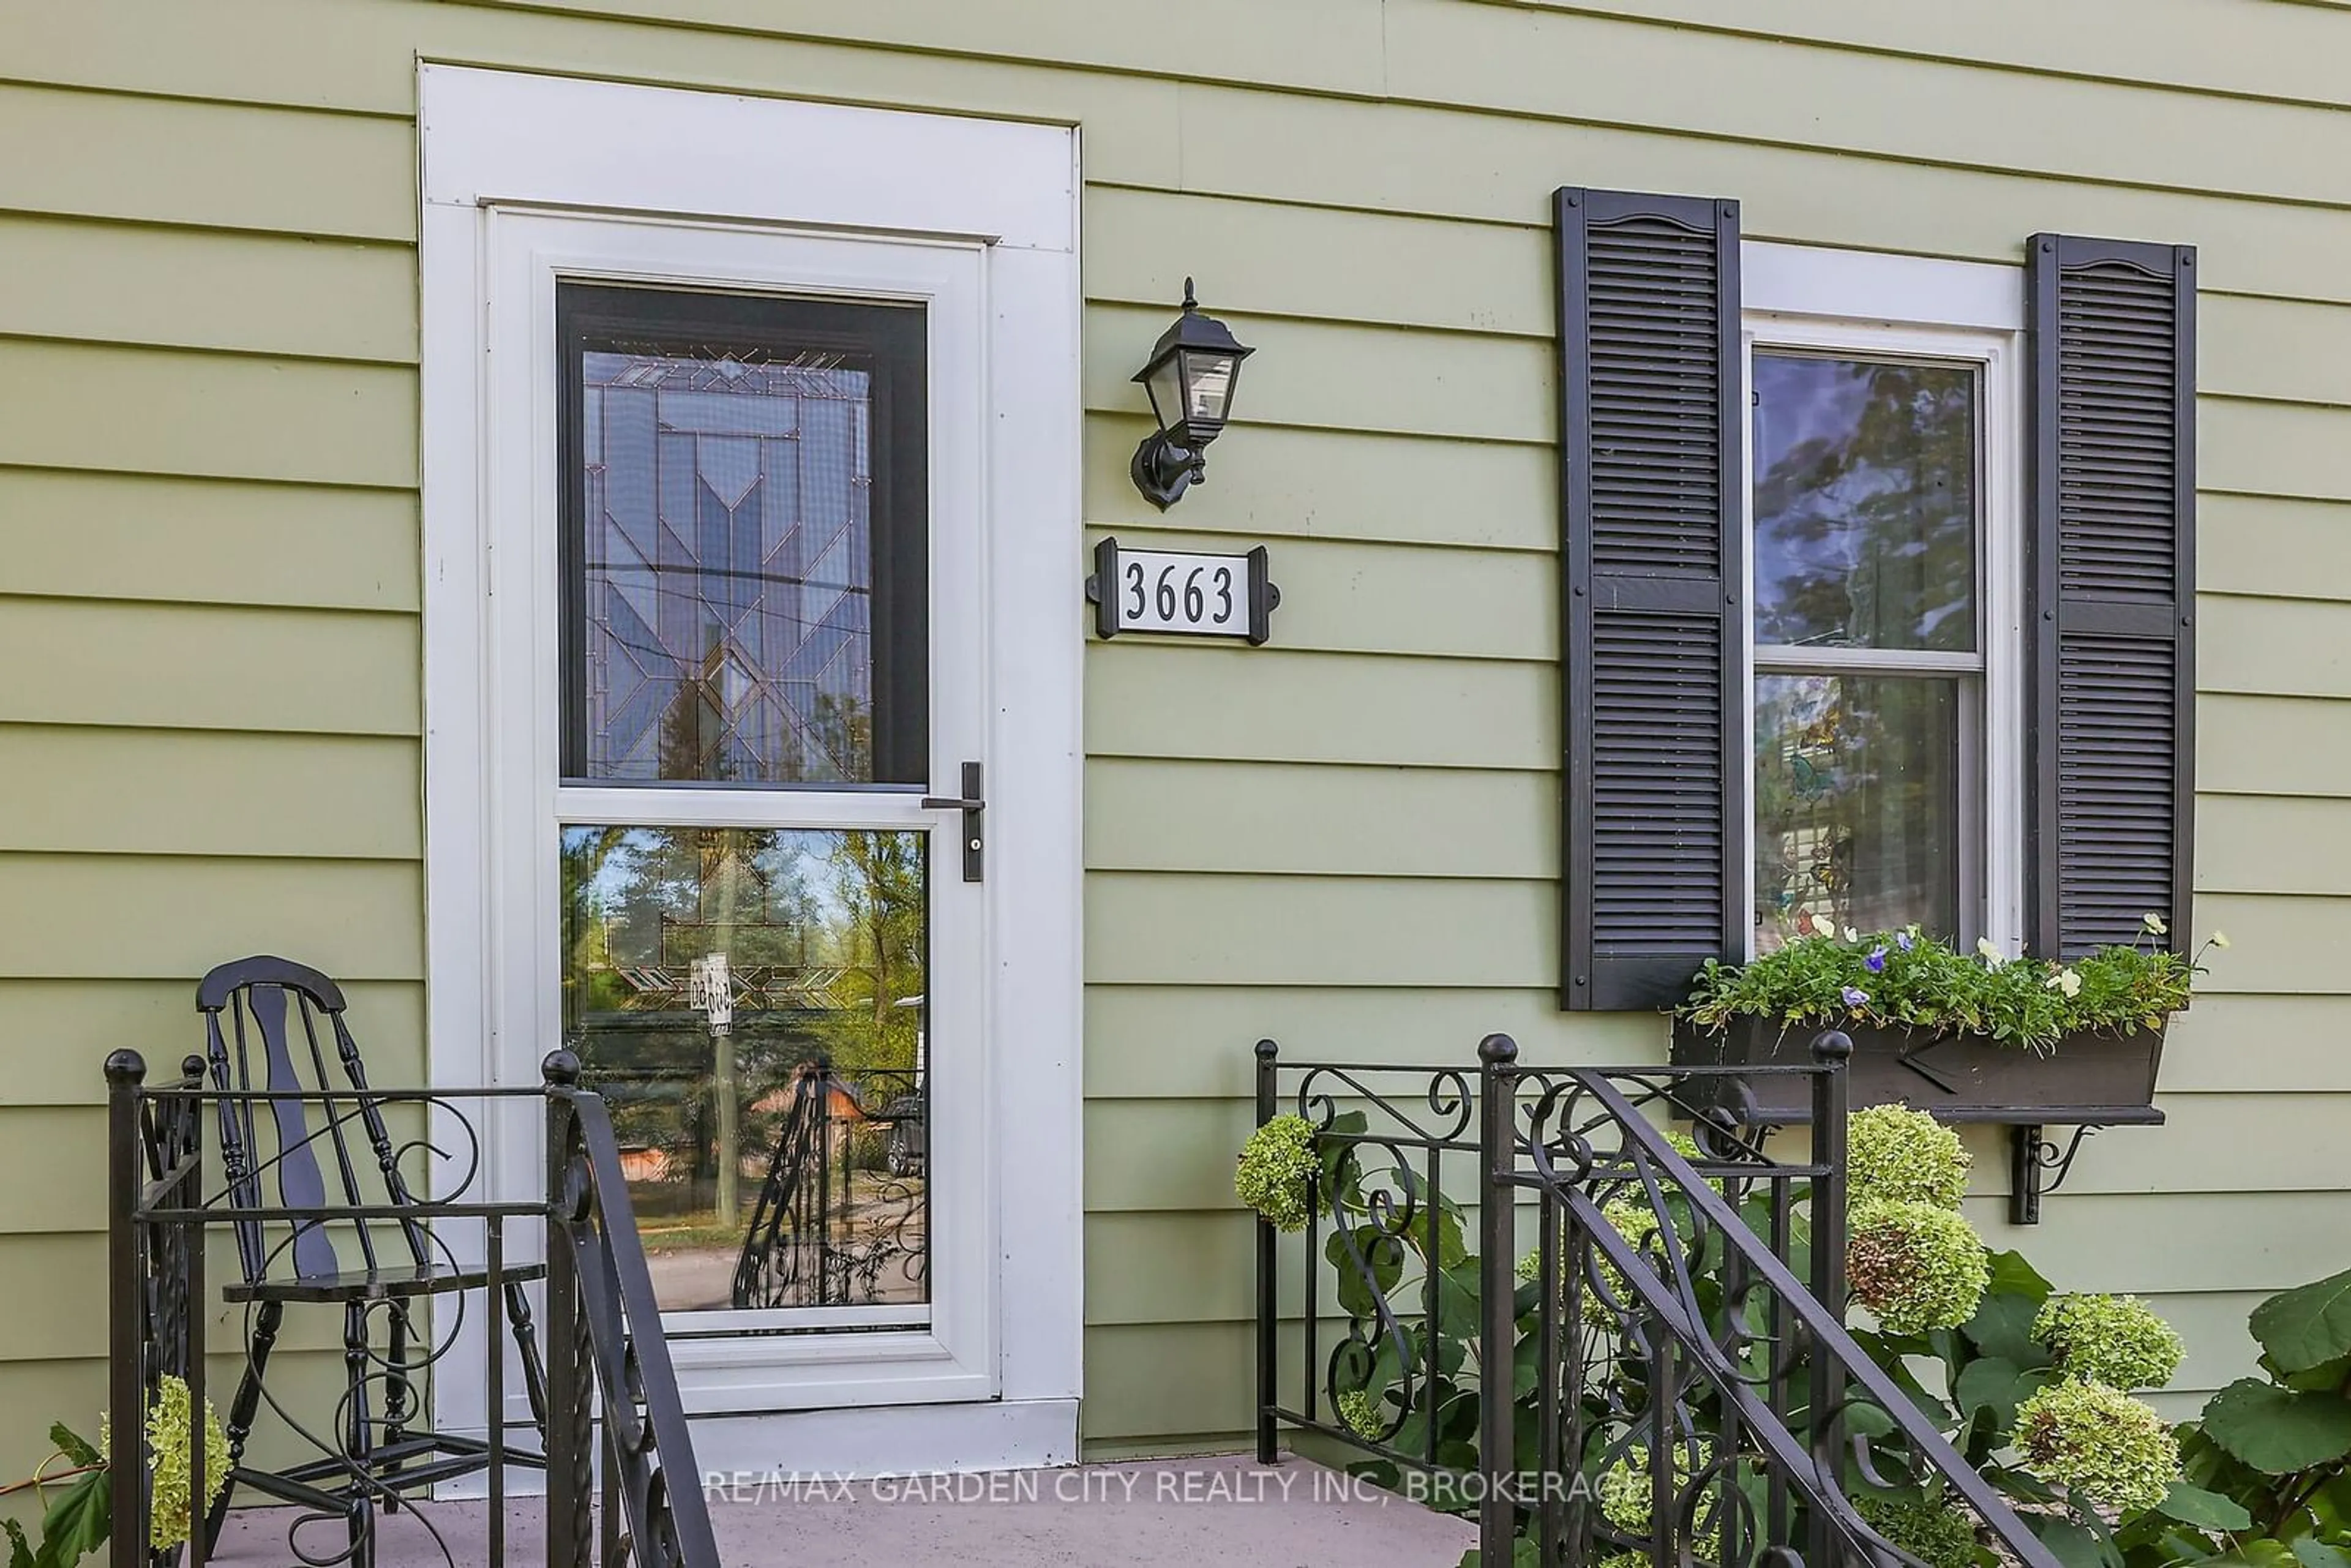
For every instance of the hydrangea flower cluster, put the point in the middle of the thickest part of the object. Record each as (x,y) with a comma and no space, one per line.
(2099,1443)
(1896,1154)
(1277,1171)
(1915,1266)
(1935,1534)
(173,1508)
(1360,1415)
(2114,1340)
(1625,1490)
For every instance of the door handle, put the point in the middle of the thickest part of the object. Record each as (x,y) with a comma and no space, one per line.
(973,804)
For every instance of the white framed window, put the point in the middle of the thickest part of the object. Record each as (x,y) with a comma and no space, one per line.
(1885,560)
(751,478)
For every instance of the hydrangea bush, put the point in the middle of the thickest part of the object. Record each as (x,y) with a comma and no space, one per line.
(2030,1386)
(1909,977)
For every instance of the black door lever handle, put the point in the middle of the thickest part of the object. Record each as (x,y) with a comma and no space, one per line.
(973,804)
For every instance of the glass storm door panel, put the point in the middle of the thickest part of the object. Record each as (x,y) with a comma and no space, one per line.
(747,917)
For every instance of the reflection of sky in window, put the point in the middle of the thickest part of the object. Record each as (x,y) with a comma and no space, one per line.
(1841,558)
(805,854)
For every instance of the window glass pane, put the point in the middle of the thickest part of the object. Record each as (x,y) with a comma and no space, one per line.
(1856,805)
(1865,504)
(747,540)
(777,1155)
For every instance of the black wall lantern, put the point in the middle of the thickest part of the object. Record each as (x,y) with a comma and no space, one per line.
(1190,379)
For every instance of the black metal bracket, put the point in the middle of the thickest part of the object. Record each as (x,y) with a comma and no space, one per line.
(2037,1167)
(973,804)
(1163,471)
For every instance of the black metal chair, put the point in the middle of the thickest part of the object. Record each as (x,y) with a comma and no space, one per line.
(261,1060)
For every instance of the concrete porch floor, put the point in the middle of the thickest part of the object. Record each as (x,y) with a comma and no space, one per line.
(1183,1514)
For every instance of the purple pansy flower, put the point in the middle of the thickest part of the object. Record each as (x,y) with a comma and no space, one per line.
(1876,959)
(1855,996)
(1902,938)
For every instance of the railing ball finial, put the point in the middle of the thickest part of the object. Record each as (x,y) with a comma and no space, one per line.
(192,1067)
(126,1067)
(1266,1050)
(561,1069)
(1497,1050)
(1834,1045)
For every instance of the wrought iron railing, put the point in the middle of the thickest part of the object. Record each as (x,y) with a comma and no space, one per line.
(1625,1347)
(609,1380)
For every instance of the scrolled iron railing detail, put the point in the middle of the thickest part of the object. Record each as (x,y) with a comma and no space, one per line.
(608,1377)
(1682,1386)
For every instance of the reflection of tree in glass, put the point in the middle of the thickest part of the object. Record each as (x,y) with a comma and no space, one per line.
(704,726)
(1855,798)
(824,934)
(1865,504)
(880,885)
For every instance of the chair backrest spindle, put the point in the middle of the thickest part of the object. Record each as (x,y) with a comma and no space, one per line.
(255,995)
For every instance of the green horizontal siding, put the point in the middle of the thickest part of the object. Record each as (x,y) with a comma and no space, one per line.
(84,535)
(208,455)
(61,1028)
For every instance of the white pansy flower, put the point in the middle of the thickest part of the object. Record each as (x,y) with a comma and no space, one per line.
(2219,939)
(2155,923)
(1991,954)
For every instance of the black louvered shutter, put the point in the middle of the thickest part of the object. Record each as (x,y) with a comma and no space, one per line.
(1651,462)
(2112,732)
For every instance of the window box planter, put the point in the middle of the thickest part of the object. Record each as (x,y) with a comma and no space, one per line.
(2091,1079)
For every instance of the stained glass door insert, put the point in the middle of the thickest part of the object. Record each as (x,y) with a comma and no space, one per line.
(744,561)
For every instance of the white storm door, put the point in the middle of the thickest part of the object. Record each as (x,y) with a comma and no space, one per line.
(737,639)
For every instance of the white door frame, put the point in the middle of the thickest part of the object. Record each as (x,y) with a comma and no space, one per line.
(528,177)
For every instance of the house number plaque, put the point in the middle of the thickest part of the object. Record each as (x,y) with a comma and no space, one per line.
(1182,593)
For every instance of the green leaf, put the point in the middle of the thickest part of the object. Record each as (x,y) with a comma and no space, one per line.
(1371,1247)
(2313,1553)
(2326,1377)
(20,1551)
(2306,1327)
(2012,1276)
(2259,1552)
(2277,1430)
(2205,1510)
(2069,1542)
(77,1448)
(1989,1382)
(2002,1326)
(79,1521)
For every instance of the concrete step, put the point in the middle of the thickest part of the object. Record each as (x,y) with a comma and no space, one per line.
(1177,1513)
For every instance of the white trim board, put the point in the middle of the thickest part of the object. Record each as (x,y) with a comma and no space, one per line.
(1863,286)
(535,154)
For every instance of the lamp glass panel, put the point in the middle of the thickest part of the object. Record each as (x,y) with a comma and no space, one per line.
(1208,384)
(1166,385)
